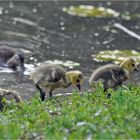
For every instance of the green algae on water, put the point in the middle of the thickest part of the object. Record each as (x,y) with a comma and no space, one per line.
(68,63)
(116,55)
(91,11)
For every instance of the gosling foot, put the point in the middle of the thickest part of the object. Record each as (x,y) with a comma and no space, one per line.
(108,95)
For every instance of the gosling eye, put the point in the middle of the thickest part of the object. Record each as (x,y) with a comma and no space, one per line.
(133,65)
(78,81)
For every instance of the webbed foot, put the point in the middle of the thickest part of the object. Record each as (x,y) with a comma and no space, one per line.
(108,95)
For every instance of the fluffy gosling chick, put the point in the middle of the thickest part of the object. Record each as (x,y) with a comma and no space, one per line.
(113,75)
(51,76)
(10,58)
(8,95)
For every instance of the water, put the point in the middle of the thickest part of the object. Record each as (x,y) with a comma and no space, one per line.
(44,32)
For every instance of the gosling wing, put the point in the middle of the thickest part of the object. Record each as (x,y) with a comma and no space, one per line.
(118,76)
(55,76)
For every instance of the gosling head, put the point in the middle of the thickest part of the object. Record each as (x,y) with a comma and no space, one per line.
(16,60)
(76,78)
(129,64)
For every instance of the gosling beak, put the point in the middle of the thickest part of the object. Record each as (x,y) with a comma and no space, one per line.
(136,70)
(79,86)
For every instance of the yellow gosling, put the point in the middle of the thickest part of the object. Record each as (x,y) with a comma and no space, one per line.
(113,75)
(51,76)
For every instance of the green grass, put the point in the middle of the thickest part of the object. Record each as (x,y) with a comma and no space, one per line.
(90,115)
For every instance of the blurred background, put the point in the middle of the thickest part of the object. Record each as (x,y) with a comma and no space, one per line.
(79,35)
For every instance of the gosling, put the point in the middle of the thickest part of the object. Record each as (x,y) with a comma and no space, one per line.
(8,95)
(51,77)
(11,59)
(112,75)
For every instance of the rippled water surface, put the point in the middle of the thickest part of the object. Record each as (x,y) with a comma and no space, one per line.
(44,32)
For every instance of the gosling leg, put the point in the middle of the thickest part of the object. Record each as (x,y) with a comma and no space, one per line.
(50,93)
(1,103)
(42,93)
